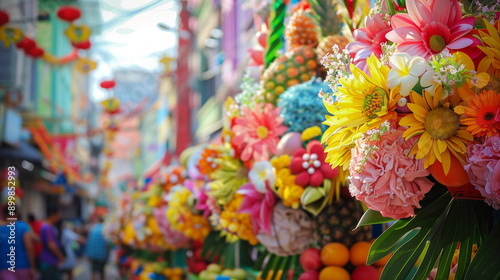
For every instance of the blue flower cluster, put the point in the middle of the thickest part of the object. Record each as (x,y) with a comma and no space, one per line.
(301,107)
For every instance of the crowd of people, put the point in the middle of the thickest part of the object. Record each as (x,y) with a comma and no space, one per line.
(49,249)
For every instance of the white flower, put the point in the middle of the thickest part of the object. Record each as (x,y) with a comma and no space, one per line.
(262,172)
(428,82)
(405,71)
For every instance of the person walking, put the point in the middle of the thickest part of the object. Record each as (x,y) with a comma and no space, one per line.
(17,253)
(97,249)
(69,239)
(51,256)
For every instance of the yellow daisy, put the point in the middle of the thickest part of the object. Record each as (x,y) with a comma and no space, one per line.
(438,127)
(363,103)
(491,63)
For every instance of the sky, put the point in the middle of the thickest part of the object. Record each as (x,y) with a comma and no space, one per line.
(131,37)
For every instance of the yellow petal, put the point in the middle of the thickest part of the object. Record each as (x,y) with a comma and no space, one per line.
(491,30)
(424,140)
(441,145)
(435,150)
(482,79)
(446,161)
(459,110)
(408,120)
(464,134)
(418,111)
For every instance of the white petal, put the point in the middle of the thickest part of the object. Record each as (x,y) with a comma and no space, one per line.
(407,83)
(399,61)
(417,66)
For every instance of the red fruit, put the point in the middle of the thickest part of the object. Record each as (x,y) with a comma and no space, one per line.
(456,177)
(311,259)
(309,275)
(290,274)
(365,272)
(198,267)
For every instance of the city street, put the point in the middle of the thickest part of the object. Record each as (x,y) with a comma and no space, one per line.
(83,272)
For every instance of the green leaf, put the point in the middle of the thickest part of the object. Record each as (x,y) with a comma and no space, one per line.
(372,217)
(486,263)
(440,225)
(390,5)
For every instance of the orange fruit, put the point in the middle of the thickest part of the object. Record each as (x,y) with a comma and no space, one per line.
(334,273)
(380,269)
(382,262)
(456,177)
(335,254)
(359,253)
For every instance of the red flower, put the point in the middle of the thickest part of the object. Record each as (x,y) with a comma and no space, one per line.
(310,165)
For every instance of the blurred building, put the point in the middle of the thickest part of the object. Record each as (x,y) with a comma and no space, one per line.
(223,30)
(46,135)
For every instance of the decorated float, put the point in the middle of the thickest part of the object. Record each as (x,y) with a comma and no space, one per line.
(372,115)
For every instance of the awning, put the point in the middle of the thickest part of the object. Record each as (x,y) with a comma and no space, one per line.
(23,152)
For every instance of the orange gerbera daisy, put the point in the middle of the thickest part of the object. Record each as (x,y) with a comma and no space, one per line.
(207,165)
(438,128)
(480,114)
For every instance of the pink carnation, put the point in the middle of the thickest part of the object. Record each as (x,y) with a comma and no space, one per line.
(389,181)
(484,169)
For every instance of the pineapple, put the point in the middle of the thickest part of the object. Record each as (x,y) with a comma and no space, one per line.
(294,67)
(327,44)
(330,23)
(337,221)
(302,30)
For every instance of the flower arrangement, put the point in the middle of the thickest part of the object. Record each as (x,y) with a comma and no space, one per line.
(411,132)
(414,118)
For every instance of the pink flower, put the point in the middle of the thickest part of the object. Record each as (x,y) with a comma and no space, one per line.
(368,40)
(384,178)
(484,169)
(172,237)
(431,27)
(257,132)
(259,206)
(310,165)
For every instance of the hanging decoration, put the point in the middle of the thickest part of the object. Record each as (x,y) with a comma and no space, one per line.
(77,34)
(4,18)
(68,13)
(108,84)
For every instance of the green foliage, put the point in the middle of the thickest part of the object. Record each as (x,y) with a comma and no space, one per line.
(432,236)
(326,14)
(215,246)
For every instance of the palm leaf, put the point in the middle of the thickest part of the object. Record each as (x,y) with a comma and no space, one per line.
(432,236)
(486,263)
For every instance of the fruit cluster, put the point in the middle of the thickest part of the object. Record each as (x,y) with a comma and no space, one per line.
(335,260)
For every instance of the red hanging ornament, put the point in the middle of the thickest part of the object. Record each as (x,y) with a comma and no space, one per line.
(83,45)
(4,17)
(35,52)
(68,13)
(108,84)
(26,44)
